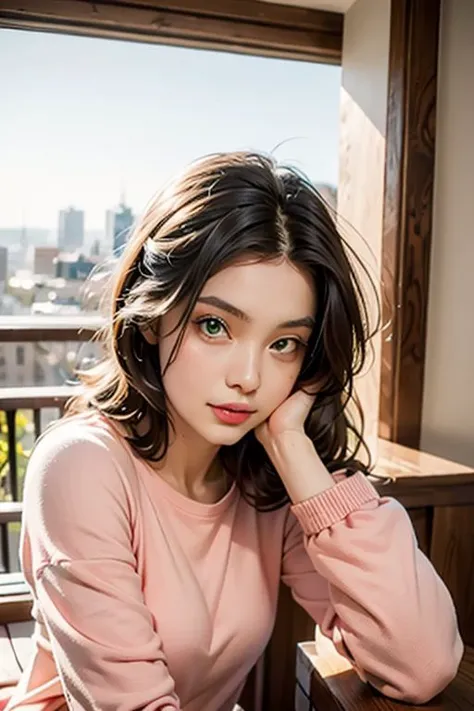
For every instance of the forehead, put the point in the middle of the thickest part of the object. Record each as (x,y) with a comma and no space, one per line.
(275,288)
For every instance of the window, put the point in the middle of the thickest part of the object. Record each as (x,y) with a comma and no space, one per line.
(104,124)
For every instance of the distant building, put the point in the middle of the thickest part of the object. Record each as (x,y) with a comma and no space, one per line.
(33,364)
(27,236)
(74,266)
(27,364)
(118,225)
(24,238)
(95,248)
(71,230)
(44,260)
(3,269)
(16,359)
(17,364)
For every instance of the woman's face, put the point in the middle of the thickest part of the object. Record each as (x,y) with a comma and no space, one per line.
(243,348)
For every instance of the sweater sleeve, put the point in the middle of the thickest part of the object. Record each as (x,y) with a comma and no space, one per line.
(352,561)
(77,556)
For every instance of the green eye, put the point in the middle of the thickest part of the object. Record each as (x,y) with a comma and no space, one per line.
(211,327)
(285,345)
(282,344)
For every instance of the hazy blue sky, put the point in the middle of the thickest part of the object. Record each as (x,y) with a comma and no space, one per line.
(81,119)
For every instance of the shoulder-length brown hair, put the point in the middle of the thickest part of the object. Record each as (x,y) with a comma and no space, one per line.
(225,207)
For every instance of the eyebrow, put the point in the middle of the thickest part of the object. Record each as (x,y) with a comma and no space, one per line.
(305,322)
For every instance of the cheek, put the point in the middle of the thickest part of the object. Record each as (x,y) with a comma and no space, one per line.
(189,370)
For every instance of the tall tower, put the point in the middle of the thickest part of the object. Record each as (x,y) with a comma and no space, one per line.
(118,225)
(71,230)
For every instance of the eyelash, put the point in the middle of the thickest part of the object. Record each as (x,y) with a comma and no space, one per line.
(205,319)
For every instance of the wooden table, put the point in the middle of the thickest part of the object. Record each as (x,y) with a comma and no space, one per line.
(420,479)
(327,682)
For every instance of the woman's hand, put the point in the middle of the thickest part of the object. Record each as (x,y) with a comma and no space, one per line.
(291,451)
(290,416)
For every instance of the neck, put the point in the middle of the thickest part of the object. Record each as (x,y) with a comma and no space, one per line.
(190,463)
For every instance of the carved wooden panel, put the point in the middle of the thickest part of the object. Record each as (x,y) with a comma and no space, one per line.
(407,225)
(452,554)
(292,625)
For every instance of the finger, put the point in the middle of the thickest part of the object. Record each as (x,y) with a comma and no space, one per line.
(303,402)
(306,399)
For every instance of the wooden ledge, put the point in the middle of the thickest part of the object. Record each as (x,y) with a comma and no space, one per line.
(10,511)
(30,329)
(410,466)
(15,608)
(36,397)
(326,681)
(417,478)
(15,599)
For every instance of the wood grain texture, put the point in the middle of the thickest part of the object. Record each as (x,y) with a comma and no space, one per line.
(413,496)
(245,26)
(15,608)
(335,686)
(36,397)
(422,520)
(419,480)
(293,625)
(28,329)
(452,554)
(408,209)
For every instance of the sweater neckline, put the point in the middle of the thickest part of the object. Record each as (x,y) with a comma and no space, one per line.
(179,500)
(183,502)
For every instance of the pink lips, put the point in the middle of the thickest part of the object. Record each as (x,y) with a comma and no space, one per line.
(232,414)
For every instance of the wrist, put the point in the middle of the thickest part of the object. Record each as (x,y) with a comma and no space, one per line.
(287,440)
(303,473)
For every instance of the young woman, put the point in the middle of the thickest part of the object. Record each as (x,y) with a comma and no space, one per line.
(209,457)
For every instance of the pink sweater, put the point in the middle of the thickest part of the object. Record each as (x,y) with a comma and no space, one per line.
(145,599)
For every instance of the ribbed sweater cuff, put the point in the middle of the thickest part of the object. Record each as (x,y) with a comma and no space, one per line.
(334,504)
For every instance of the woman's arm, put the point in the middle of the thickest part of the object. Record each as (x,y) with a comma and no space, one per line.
(77,556)
(384,606)
(352,561)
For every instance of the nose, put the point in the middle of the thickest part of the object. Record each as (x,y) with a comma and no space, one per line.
(243,370)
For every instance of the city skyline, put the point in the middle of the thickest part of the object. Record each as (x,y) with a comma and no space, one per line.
(115,119)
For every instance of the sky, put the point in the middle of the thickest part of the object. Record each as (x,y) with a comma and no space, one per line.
(84,120)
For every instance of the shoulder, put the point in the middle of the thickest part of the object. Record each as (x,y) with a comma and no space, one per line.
(80,497)
(89,430)
(78,453)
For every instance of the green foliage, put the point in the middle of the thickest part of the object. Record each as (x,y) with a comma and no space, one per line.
(24,435)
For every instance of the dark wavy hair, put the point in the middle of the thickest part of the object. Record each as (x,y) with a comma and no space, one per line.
(223,208)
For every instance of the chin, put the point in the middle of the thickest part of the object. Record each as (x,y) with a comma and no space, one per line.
(223,438)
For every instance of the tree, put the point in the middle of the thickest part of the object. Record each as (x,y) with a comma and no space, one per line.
(24,434)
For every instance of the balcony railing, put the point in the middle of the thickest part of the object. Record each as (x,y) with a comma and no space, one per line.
(27,329)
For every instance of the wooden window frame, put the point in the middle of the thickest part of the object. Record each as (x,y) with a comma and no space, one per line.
(408,214)
(244,26)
